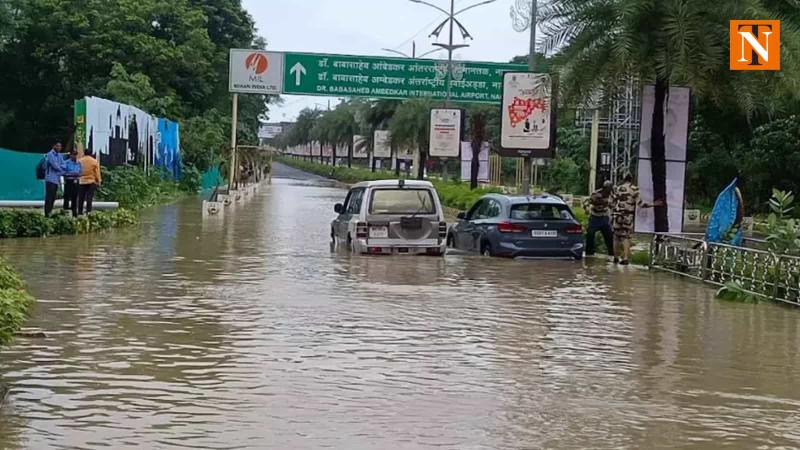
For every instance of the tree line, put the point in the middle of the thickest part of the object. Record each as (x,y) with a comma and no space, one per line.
(169,58)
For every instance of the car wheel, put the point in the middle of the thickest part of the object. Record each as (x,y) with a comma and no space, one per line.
(451,241)
(486,249)
(578,257)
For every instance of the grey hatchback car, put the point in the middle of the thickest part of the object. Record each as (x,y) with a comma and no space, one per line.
(519,226)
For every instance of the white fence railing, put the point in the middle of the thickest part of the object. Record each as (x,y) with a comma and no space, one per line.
(752,267)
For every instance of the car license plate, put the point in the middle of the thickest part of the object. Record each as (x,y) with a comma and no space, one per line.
(544,233)
(379,232)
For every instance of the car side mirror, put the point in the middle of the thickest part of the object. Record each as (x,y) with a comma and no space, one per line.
(338,208)
(461,216)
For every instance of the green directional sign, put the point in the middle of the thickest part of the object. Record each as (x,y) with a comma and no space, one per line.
(392,78)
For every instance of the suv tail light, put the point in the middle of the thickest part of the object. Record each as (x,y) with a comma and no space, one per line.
(508,227)
(574,229)
(442,230)
(361,230)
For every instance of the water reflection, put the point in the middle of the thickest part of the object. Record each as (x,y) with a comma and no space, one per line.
(246,331)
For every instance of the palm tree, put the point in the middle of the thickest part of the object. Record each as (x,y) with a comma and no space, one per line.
(344,127)
(663,42)
(410,127)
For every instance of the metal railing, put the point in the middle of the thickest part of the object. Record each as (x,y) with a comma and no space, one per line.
(752,267)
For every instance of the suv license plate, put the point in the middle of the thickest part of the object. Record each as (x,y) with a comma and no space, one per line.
(544,233)
(379,232)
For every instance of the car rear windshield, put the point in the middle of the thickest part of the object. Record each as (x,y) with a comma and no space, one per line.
(402,201)
(540,211)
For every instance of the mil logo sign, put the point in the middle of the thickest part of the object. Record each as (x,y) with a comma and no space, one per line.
(256,72)
(755,45)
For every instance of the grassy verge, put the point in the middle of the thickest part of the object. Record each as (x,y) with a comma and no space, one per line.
(453,194)
(15,302)
(134,189)
(19,223)
(131,187)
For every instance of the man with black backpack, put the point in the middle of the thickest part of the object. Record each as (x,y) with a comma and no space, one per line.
(54,170)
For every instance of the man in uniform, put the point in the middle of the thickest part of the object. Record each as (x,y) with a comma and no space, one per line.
(598,205)
(626,199)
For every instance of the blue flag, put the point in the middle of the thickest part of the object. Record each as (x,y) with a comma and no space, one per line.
(723,217)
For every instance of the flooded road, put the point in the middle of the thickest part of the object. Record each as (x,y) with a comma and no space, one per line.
(247,332)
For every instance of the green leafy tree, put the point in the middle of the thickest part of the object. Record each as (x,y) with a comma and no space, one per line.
(300,133)
(167,57)
(136,89)
(770,159)
(204,138)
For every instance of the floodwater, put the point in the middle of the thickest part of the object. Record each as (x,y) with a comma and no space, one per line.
(247,332)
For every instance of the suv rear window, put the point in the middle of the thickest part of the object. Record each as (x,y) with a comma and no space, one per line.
(540,211)
(402,201)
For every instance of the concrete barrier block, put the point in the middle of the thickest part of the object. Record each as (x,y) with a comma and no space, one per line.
(225,199)
(213,208)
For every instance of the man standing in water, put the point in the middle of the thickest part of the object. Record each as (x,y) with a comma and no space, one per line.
(72,172)
(54,169)
(626,199)
(598,205)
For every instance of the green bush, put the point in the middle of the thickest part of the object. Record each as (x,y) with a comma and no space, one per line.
(457,194)
(32,223)
(191,179)
(9,279)
(134,189)
(15,303)
(24,223)
(64,224)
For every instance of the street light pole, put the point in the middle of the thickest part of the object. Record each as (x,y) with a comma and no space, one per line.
(413,54)
(450,47)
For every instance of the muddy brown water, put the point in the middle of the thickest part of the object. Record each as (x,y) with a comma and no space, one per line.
(248,332)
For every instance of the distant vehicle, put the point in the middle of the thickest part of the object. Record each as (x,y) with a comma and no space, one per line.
(391,217)
(519,226)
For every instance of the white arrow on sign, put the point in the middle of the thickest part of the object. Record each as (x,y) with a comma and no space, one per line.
(298,71)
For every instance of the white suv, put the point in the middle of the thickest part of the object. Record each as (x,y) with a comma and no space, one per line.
(391,217)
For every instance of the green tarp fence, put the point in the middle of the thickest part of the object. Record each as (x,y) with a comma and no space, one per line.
(212,178)
(18,176)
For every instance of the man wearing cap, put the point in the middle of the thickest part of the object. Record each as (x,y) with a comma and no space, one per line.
(625,200)
(598,205)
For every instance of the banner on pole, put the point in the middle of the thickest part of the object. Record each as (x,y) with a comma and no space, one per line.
(445,138)
(528,123)
(382,147)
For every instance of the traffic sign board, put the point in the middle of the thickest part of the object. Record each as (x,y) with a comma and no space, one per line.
(392,78)
(255,71)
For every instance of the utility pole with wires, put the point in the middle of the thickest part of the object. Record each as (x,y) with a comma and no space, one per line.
(452,21)
(523,14)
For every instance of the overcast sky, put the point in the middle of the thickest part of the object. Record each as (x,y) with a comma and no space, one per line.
(364,27)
